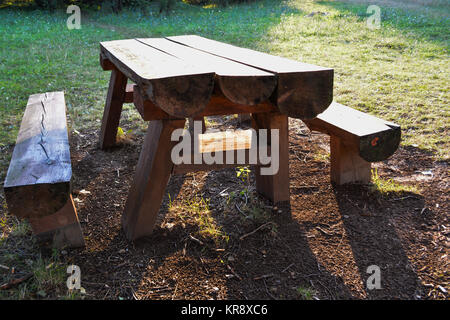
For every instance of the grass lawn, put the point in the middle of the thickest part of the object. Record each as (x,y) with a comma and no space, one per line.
(399,72)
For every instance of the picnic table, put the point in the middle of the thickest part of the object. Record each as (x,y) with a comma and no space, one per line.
(171,79)
(181,77)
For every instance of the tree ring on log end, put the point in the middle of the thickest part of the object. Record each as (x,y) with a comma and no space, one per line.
(379,146)
(182,97)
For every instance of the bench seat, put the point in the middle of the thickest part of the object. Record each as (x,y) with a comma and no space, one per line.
(356,140)
(38,182)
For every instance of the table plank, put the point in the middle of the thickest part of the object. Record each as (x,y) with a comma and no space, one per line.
(178,88)
(239,82)
(303,91)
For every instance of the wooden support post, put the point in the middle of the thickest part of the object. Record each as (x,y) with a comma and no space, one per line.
(62,228)
(244,117)
(191,124)
(113,109)
(152,174)
(275,187)
(346,164)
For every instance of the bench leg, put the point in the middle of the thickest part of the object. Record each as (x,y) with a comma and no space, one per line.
(274,187)
(113,108)
(346,164)
(61,228)
(152,175)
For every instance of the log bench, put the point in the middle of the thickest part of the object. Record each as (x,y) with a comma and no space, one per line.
(38,182)
(356,140)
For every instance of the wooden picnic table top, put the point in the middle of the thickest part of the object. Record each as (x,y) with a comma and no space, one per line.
(179,75)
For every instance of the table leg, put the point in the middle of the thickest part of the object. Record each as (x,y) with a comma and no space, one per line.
(152,174)
(113,109)
(191,124)
(275,187)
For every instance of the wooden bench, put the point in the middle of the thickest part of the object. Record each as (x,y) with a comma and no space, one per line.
(356,140)
(38,182)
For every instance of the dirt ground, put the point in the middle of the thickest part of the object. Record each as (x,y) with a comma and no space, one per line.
(318,247)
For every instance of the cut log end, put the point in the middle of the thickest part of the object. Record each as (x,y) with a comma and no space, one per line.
(381,145)
(182,97)
(248,90)
(105,63)
(305,95)
(37,200)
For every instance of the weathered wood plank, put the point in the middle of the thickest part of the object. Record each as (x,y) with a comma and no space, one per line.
(303,90)
(178,88)
(129,93)
(240,83)
(375,138)
(38,179)
(221,146)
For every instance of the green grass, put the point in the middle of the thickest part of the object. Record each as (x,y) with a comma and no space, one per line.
(306,293)
(385,187)
(198,209)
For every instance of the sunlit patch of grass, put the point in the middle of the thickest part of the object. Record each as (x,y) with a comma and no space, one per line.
(321,155)
(376,69)
(386,187)
(198,208)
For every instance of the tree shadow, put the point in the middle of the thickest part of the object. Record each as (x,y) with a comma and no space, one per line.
(371,223)
(268,255)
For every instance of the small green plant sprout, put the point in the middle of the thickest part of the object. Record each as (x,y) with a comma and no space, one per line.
(385,187)
(306,293)
(122,136)
(243,173)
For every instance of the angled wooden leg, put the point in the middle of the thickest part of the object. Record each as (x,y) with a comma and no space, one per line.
(113,108)
(346,164)
(61,228)
(152,174)
(275,187)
